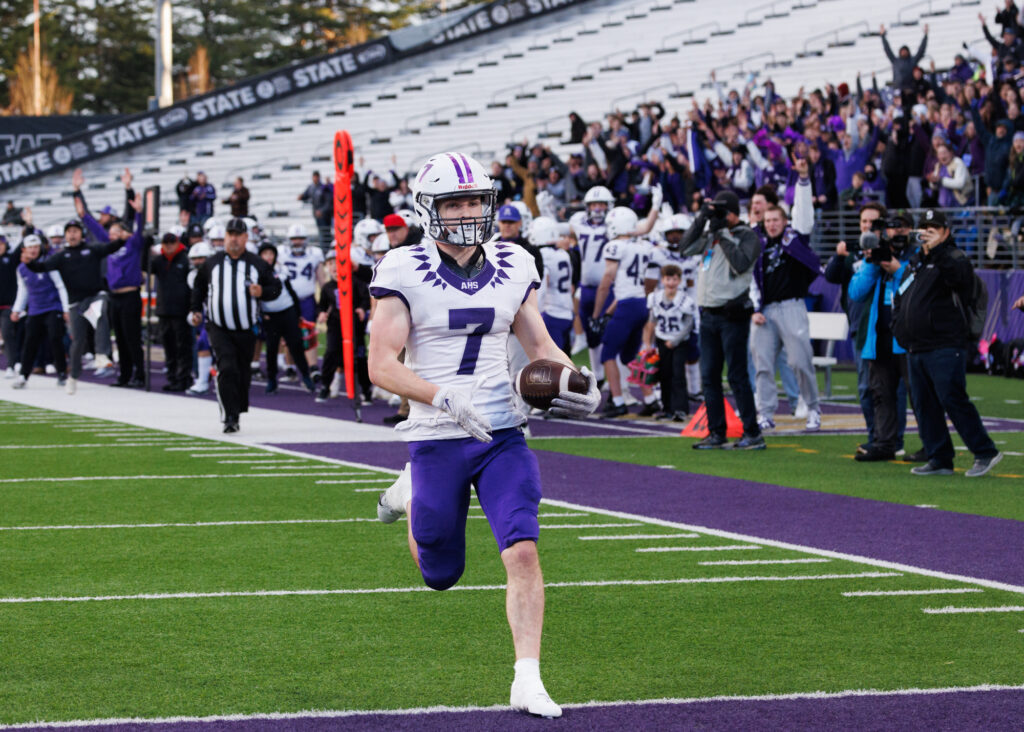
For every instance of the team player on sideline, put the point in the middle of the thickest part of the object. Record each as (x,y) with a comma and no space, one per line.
(450,302)
(631,268)
(303,264)
(588,229)
(555,297)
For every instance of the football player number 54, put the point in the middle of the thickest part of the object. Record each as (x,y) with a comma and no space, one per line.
(463,318)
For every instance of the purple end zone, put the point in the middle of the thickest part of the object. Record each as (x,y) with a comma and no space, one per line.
(920,537)
(987,710)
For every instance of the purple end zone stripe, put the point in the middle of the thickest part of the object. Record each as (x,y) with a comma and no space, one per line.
(988,710)
(469,171)
(379,292)
(458,170)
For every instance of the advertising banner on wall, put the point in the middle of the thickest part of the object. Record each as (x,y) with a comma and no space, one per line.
(129,131)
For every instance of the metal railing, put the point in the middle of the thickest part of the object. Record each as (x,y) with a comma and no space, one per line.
(990,236)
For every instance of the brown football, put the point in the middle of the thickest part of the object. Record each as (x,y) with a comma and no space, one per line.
(540,381)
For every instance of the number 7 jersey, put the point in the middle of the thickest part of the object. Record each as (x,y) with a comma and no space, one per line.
(460,329)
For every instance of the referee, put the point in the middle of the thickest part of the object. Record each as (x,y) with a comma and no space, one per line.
(228,284)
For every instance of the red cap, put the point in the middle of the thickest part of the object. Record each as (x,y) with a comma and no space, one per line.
(393,221)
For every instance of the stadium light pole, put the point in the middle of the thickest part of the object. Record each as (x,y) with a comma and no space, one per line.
(164,93)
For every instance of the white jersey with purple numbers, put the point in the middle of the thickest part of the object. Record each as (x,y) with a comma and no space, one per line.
(591,240)
(301,269)
(460,329)
(555,296)
(670,315)
(637,262)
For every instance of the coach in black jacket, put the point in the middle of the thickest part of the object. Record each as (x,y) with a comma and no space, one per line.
(170,267)
(230,283)
(930,320)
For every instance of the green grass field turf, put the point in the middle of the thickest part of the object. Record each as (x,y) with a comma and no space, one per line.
(408,647)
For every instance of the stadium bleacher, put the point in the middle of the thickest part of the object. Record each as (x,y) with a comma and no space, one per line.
(480,94)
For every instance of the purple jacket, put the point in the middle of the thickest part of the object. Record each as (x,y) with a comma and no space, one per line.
(124,267)
(40,292)
(847,165)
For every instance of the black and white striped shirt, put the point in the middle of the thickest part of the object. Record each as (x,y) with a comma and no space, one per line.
(222,283)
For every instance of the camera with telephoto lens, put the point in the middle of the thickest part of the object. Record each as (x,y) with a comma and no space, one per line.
(716,213)
(877,247)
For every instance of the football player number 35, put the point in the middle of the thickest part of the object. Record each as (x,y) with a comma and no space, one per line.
(463,318)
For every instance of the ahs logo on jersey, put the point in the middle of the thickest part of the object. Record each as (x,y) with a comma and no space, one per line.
(470,285)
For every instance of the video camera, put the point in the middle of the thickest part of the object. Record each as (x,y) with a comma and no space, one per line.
(878,246)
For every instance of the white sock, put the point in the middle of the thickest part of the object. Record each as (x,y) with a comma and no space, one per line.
(205,363)
(618,401)
(693,383)
(281,362)
(595,364)
(650,398)
(527,668)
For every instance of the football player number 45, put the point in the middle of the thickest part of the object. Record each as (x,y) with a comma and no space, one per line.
(463,318)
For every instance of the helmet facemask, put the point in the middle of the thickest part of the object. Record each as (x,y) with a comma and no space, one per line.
(465,231)
(596,213)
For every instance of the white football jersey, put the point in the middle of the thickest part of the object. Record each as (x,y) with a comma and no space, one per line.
(591,241)
(637,262)
(301,269)
(555,296)
(460,329)
(674,318)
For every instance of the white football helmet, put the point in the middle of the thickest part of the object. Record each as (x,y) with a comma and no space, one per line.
(381,244)
(55,231)
(210,223)
(526,215)
(408,215)
(621,221)
(216,232)
(201,250)
(453,175)
(177,230)
(679,222)
(297,234)
(365,231)
(544,231)
(593,199)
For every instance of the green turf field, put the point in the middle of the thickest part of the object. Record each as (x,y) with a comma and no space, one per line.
(700,630)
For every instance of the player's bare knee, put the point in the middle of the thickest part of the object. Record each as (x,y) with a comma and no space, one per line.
(521,558)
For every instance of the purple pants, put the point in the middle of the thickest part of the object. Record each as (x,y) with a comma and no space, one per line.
(507,482)
(625,330)
(307,309)
(560,331)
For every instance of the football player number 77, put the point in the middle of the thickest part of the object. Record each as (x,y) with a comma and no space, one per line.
(462,318)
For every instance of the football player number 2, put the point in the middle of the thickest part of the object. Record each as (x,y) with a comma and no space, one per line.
(463,318)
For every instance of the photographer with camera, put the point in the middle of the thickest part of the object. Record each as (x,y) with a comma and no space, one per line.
(730,250)
(839,270)
(886,250)
(931,318)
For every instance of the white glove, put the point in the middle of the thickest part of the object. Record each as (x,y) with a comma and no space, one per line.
(657,196)
(460,407)
(570,404)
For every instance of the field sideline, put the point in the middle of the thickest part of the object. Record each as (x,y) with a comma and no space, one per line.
(206,582)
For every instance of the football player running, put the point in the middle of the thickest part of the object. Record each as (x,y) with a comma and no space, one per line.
(450,301)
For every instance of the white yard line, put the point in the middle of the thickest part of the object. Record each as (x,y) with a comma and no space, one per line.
(87,479)
(187,525)
(888,593)
(589,526)
(257,462)
(950,610)
(636,537)
(723,548)
(738,562)
(418,711)
(424,588)
(211,448)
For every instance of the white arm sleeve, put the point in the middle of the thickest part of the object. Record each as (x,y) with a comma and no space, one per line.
(62,292)
(803,208)
(21,299)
